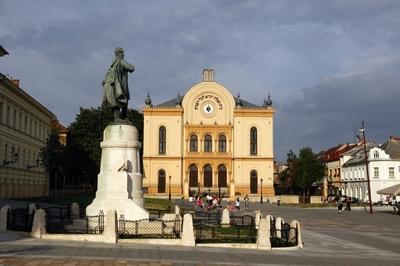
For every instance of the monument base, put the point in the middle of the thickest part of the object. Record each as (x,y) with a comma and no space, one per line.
(119,185)
(126,207)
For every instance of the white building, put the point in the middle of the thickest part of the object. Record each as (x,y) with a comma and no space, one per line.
(383,169)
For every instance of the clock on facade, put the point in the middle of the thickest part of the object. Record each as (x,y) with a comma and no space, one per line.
(208,109)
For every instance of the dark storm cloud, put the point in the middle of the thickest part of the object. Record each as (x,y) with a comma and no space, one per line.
(342,51)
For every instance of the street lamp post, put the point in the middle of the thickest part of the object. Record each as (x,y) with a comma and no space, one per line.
(261,197)
(169,189)
(362,129)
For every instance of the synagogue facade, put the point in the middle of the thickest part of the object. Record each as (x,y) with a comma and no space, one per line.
(208,140)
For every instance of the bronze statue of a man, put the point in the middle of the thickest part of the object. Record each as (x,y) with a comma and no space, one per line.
(116,91)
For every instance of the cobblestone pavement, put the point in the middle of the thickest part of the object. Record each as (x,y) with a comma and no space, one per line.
(351,238)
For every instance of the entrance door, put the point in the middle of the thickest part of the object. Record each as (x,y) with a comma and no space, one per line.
(207,176)
(253,182)
(161,181)
(222,176)
(193,181)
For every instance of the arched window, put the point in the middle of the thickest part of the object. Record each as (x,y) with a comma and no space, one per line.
(207,143)
(253,141)
(207,176)
(253,182)
(161,181)
(222,176)
(193,143)
(222,143)
(162,136)
(193,176)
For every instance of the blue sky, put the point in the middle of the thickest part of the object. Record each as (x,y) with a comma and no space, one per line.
(327,64)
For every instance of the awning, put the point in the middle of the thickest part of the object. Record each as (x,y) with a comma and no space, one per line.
(393,190)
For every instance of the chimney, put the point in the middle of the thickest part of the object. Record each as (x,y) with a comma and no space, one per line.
(15,82)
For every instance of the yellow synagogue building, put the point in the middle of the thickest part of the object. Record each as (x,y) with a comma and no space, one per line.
(208,140)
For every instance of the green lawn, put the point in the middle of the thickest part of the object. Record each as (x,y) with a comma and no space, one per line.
(85,200)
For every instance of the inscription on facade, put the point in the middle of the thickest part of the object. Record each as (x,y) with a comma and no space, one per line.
(208,97)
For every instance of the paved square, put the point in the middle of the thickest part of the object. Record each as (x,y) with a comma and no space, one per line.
(330,238)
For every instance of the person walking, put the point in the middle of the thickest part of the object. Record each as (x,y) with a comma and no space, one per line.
(246,202)
(340,205)
(237,204)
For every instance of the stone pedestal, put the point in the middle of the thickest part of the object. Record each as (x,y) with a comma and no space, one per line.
(120,183)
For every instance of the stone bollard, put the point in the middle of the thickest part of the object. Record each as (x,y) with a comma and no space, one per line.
(32,208)
(39,224)
(188,231)
(292,234)
(225,220)
(110,228)
(75,211)
(257,217)
(3,217)
(278,225)
(177,210)
(263,236)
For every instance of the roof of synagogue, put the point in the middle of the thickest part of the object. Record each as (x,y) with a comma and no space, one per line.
(173,102)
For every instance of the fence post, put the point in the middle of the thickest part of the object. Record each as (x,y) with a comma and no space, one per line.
(263,237)
(225,218)
(187,231)
(31,208)
(39,224)
(110,230)
(4,216)
(257,217)
(278,226)
(295,231)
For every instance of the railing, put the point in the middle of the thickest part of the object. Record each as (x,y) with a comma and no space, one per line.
(281,238)
(56,224)
(213,233)
(19,220)
(158,212)
(149,228)
(272,227)
(207,217)
(64,212)
(242,220)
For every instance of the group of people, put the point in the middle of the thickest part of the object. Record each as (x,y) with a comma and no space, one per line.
(210,202)
(206,201)
(340,204)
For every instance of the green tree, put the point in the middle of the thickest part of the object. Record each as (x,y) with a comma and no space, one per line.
(86,133)
(286,176)
(307,169)
(52,158)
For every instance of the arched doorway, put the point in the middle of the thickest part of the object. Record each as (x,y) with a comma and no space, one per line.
(207,182)
(193,176)
(161,181)
(222,176)
(253,182)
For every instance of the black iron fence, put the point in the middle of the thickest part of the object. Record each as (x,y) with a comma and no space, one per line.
(149,228)
(56,224)
(20,219)
(207,217)
(158,213)
(242,220)
(282,237)
(224,233)
(64,212)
